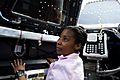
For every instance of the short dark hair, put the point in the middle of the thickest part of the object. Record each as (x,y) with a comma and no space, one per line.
(79,34)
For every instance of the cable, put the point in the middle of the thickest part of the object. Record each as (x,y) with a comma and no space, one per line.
(14,22)
(108,72)
(18,49)
(3,17)
(113,31)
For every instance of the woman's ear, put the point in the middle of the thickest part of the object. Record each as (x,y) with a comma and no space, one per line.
(77,46)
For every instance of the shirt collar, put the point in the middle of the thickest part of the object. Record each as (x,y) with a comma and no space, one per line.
(70,56)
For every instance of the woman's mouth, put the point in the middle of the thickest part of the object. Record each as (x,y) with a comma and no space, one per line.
(59,49)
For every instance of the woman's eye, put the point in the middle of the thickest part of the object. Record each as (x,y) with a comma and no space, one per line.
(66,39)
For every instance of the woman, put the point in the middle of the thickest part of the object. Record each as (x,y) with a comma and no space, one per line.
(69,65)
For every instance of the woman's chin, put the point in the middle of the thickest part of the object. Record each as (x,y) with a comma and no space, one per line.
(59,53)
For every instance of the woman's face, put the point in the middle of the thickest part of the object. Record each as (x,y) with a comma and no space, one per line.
(66,43)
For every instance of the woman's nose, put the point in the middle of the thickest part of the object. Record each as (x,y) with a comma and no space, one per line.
(59,42)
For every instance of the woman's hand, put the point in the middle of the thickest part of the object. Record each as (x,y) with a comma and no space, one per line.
(50,60)
(18,65)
